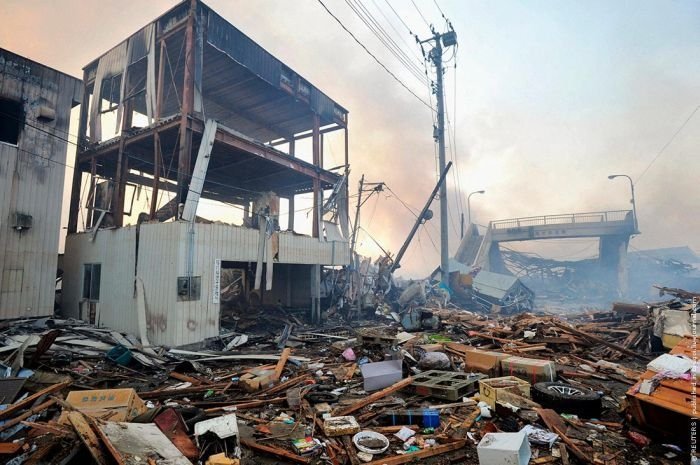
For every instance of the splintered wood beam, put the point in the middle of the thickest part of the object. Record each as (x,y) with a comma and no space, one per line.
(425,453)
(282,362)
(373,397)
(27,414)
(13,409)
(555,423)
(599,340)
(274,451)
(87,437)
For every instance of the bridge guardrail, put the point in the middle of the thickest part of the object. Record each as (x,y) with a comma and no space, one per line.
(572,218)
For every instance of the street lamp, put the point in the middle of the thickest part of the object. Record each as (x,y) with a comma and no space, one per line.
(469,209)
(634,204)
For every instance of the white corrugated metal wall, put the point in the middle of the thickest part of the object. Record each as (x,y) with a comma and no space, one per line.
(31,182)
(163,256)
(115,251)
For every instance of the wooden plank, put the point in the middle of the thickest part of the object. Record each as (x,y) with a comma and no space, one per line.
(373,398)
(10,447)
(282,362)
(287,384)
(555,423)
(599,340)
(27,414)
(22,404)
(87,437)
(350,450)
(247,405)
(425,453)
(274,451)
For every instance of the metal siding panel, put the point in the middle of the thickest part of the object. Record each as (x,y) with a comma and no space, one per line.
(114,249)
(225,37)
(34,180)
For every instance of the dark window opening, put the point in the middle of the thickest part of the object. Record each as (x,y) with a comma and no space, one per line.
(91,281)
(11,120)
(111,93)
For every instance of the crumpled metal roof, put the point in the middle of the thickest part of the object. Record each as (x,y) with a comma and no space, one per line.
(494,285)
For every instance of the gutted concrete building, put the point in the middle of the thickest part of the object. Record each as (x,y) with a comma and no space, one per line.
(35,109)
(189,110)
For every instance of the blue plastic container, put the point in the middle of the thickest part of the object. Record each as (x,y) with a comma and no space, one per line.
(120,355)
(425,418)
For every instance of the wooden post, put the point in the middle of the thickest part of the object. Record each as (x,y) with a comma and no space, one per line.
(185,152)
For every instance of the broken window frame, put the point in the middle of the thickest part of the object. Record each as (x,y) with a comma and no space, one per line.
(111,99)
(92,277)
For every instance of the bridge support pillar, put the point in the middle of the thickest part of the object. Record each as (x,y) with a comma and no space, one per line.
(496,263)
(613,257)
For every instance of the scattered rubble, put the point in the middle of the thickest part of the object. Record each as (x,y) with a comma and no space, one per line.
(527,388)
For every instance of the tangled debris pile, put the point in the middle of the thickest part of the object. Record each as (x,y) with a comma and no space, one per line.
(521,389)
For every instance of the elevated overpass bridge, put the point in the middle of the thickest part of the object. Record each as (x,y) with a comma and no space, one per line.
(612,228)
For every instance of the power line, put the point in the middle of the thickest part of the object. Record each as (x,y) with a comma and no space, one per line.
(373,56)
(673,137)
(380,33)
(400,36)
(400,18)
(439,9)
(420,13)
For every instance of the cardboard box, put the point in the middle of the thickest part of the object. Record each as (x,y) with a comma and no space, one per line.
(483,361)
(108,404)
(381,374)
(493,389)
(529,369)
(257,380)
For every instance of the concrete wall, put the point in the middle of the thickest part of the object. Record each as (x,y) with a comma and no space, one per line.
(31,183)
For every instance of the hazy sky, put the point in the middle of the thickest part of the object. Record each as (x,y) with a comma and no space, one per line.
(551,97)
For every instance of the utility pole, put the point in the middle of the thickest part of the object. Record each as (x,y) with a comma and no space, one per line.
(356,224)
(449,39)
(424,216)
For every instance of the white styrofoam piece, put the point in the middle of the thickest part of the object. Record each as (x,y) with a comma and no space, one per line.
(504,449)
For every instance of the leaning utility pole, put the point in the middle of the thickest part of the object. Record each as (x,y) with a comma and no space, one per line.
(356,223)
(424,216)
(448,39)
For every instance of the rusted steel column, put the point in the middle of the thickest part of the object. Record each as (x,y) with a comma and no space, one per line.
(185,153)
(119,187)
(91,192)
(74,209)
(292,207)
(157,155)
(316,144)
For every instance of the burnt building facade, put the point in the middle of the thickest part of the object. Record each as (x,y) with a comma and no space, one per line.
(189,110)
(35,113)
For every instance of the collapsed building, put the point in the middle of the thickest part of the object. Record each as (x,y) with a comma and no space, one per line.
(191,107)
(35,109)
